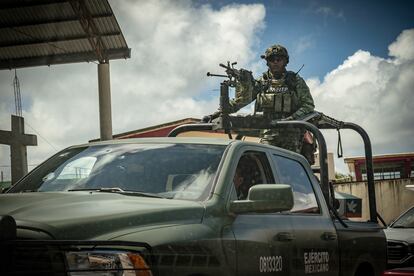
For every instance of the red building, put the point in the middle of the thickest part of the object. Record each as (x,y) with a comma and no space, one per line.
(389,166)
(161,130)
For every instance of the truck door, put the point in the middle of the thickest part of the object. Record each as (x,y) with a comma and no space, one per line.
(316,242)
(263,240)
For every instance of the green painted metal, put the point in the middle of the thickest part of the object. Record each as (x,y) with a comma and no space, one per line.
(207,237)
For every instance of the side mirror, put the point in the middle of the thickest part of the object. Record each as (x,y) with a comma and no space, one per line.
(265,198)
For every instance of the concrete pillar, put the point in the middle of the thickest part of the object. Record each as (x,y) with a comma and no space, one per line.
(105,116)
(331,165)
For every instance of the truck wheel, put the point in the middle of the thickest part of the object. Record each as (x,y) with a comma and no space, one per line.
(365,269)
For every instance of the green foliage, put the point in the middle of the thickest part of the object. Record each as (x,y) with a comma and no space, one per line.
(340,177)
(5,184)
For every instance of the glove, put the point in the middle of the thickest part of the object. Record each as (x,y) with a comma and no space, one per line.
(245,76)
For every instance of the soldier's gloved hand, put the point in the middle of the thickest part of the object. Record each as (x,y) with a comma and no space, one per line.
(245,75)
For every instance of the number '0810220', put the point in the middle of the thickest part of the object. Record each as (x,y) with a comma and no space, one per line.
(270,264)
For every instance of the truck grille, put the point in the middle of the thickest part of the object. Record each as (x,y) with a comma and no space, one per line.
(397,251)
(33,260)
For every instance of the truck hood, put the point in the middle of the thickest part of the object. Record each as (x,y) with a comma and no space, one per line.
(86,215)
(400,234)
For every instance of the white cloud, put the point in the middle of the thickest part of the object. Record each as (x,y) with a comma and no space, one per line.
(174,44)
(403,48)
(374,92)
(305,43)
(329,12)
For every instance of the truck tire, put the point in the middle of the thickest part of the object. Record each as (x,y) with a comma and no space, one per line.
(365,269)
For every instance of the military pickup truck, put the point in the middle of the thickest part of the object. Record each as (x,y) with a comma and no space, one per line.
(187,206)
(169,206)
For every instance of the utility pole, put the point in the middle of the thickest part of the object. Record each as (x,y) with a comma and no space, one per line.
(17,96)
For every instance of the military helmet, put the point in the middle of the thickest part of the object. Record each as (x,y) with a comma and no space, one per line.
(276,50)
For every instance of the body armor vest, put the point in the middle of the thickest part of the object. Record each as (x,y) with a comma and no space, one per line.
(277,99)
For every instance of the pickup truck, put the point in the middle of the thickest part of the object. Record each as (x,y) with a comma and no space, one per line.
(169,206)
(188,206)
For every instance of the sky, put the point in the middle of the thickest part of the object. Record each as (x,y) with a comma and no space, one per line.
(358,59)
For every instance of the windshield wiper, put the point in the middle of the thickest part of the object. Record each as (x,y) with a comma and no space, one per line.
(117,190)
(109,190)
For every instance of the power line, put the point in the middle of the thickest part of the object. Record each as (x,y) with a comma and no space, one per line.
(50,144)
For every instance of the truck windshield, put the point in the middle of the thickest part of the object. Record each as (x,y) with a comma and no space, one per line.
(180,171)
(405,221)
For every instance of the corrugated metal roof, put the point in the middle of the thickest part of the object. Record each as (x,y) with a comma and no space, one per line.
(46,32)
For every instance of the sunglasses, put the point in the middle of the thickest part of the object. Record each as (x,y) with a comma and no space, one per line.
(275,58)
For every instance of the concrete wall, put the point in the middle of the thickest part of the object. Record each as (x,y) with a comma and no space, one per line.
(331,165)
(392,196)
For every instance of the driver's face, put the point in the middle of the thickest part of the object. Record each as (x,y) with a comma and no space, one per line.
(237,180)
(276,64)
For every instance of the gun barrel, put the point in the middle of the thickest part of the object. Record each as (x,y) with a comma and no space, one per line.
(215,75)
(224,66)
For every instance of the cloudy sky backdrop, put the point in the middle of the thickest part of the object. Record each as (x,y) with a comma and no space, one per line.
(359,65)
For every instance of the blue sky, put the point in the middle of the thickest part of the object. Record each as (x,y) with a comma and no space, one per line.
(358,56)
(330,31)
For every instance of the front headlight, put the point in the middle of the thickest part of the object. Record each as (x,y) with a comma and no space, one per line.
(106,263)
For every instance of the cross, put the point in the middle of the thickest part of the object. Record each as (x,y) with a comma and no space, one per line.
(18,142)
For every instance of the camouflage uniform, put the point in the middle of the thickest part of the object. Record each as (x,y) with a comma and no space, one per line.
(279,97)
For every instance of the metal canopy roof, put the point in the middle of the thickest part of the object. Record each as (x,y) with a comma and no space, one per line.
(46,32)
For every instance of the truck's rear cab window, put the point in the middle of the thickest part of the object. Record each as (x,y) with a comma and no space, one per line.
(292,172)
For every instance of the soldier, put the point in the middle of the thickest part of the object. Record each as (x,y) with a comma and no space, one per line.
(238,181)
(280,95)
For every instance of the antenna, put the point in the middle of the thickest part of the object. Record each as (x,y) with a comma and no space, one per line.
(17,97)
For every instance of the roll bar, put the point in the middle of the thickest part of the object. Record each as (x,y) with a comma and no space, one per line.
(312,122)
